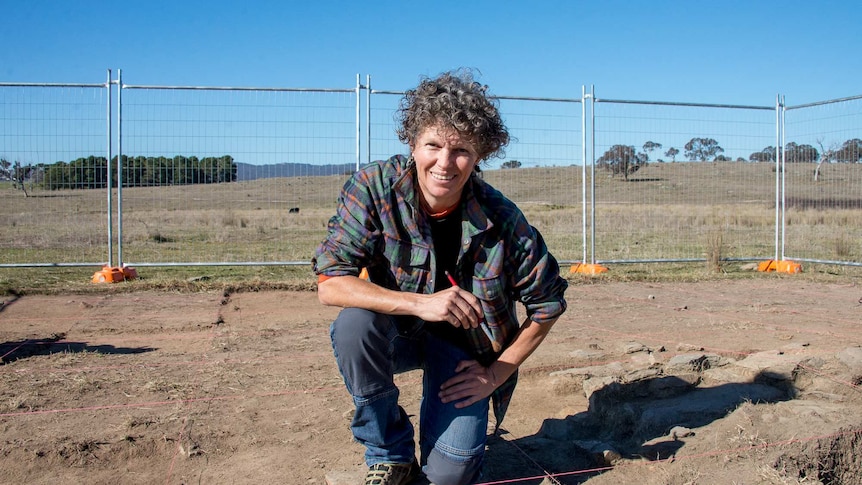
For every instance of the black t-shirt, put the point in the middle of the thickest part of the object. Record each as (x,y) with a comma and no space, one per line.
(446,236)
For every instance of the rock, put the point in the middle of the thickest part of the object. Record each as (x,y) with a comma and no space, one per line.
(634,347)
(730,373)
(771,365)
(851,357)
(643,359)
(602,452)
(557,429)
(670,386)
(612,369)
(593,384)
(641,374)
(697,362)
(678,432)
(681,347)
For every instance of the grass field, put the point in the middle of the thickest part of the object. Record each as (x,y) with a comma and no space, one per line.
(665,211)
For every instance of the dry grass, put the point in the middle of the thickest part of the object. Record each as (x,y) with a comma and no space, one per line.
(705,211)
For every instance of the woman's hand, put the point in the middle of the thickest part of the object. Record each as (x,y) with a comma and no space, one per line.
(458,307)
(471,383)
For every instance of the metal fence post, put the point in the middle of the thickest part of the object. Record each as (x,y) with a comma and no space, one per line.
(367,118)
(119,167)
(358,103)
(108,121)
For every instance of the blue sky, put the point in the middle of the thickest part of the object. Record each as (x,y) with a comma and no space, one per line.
(734,52)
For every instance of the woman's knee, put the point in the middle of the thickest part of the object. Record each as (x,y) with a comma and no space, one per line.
(355,330)
(445,468)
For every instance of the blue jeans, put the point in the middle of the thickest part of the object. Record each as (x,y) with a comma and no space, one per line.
(370,349)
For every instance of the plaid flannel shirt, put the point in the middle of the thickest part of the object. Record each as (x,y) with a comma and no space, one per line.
(502,260)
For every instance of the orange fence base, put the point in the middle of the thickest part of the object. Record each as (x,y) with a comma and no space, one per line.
(779,266)
(585,268)
(114,274)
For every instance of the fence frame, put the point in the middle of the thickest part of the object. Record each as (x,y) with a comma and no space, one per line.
(778,148)
(108,120)
(588,101)
(784,185)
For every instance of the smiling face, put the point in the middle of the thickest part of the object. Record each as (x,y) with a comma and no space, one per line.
(444,163)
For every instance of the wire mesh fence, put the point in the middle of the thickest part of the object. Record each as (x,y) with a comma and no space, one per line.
(823,182)
(52,135)
(232,175)
(674,182)
(240,176)
(545,151)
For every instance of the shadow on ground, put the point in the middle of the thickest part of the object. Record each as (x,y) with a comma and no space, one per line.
(22,349)
(645,419)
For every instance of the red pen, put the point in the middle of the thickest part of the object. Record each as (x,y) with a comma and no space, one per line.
(494,344)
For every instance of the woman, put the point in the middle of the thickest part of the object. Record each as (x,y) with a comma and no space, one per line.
(447,256)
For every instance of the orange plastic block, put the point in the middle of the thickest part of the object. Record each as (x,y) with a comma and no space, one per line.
(114,274)
(782,266)
(585,268)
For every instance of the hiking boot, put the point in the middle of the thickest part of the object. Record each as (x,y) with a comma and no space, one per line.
(392,473)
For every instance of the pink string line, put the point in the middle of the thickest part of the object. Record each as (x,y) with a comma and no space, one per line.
(212,334)
(13,350)
(156,365)
(176,451)
(182,432)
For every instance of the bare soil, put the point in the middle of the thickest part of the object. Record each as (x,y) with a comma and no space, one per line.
(178,388)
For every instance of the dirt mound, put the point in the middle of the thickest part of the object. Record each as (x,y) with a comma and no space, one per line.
(835,460)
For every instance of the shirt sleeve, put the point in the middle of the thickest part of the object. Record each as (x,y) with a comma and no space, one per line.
(539,285)
(351,233)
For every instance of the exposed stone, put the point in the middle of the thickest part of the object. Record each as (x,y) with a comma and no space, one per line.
(670,386)
(557,429)
(771,365)
(643,359)
(593,384)
(612,369)
(696,361)
(729,373)
(634,347)
(601,452)
(678,432)
(641,374)
(852,358)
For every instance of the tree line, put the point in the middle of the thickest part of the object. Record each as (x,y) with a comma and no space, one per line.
(92,172)
(626,159)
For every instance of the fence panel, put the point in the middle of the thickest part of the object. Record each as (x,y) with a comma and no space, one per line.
(683,205)
(546,146)
(54,144)
(251,175)
(292,150)
(823,182)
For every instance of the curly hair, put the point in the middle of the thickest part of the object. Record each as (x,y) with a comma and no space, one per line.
(454,100)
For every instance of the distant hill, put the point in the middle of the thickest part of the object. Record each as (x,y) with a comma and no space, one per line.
(246,171)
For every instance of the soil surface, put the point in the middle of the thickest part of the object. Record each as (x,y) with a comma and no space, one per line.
(754,381)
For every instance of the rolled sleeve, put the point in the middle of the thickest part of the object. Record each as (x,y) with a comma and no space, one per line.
(541,289)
